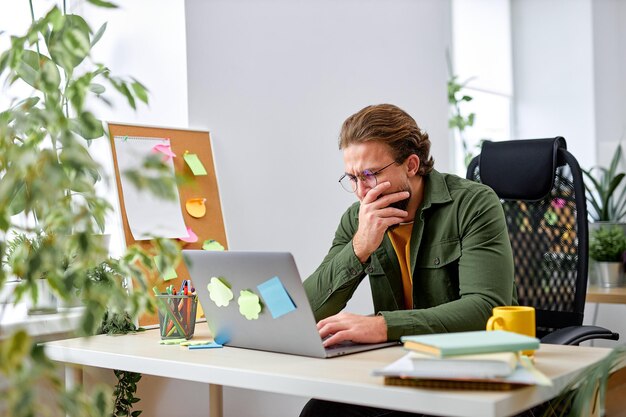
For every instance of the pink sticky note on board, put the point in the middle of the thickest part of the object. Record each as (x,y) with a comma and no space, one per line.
(191,236)
(165,149)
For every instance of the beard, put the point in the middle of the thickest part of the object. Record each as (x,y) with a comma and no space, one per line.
(402,204)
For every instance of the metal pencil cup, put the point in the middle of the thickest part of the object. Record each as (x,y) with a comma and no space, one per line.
(177,315)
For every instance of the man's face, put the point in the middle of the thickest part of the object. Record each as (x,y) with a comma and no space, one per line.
(373,156)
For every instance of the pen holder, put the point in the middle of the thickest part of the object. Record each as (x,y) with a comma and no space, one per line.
(177,315)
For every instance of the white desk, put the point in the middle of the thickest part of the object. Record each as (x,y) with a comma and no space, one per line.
(345,379)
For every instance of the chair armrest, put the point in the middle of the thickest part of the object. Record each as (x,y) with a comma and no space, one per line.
(574,335)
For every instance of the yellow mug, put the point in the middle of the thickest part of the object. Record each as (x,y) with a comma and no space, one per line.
(516,319)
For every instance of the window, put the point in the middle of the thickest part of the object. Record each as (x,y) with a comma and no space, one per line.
(482,61)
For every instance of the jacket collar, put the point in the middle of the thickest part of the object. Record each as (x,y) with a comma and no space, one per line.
(435,190)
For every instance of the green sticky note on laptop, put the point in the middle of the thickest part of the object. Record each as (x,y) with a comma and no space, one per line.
(194,163)
(466,343)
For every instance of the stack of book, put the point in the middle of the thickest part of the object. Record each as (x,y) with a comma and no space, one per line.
(465,360)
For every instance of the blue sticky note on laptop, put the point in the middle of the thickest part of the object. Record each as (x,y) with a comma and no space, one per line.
(276,297)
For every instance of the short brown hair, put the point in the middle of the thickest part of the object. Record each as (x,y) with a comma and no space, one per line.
(393,126)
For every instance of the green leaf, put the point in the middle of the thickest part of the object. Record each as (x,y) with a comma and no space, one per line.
(14,350)
(87,126)
(70,44)
(126,91)
(98,34)
(97,88)
(140,91)
(50,76)
(615,160)
(18,201)
(103,3)
(4,60)
(30,66)
(77,43)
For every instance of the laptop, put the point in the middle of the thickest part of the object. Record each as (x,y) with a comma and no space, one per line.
(285,322)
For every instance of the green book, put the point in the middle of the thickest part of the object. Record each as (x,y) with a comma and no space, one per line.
(466,343)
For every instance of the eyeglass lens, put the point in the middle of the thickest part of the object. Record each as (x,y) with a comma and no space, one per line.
(349,182)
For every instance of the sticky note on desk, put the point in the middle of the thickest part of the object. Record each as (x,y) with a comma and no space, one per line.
(211,345)
(195,164)
(276,297)
(168,273)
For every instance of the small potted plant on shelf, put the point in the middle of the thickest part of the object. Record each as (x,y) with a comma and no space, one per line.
(606,247)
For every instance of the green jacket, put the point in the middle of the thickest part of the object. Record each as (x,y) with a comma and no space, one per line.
(460,255)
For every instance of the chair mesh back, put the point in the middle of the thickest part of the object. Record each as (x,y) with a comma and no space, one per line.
(549,243)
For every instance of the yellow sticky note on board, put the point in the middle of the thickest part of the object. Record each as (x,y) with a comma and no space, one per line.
(167,274)
(195,164)
(219,292)
(195,207)
(249,304)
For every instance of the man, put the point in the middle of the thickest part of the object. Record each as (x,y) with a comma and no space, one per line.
(435,246)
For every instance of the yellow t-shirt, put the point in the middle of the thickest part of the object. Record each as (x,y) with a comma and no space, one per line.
(401,240)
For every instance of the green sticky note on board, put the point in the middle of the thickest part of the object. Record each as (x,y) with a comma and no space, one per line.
(249,304)
(169,273)
(212,245)
(219,292)
(195,164)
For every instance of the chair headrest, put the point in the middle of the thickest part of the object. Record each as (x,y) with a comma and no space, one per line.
(520,169)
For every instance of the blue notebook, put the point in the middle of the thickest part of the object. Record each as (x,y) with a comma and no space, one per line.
(466,343)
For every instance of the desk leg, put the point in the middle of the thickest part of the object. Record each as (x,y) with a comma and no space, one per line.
(215,401)
(594,319)
(73,376)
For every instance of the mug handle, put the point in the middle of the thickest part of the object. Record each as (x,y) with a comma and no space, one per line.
(491,323)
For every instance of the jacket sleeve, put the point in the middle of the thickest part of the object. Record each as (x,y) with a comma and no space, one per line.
(332,284)
(485,274)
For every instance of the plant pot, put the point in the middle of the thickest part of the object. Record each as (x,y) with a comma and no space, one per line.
(592,276)
(46,300)
(73,299)
(609,274)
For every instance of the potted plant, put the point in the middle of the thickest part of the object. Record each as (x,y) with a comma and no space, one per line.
(607,201)
(606,247)
(47,193)
(23,247)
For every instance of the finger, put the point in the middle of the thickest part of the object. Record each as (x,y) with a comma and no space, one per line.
(373,194)
(331,328)
(336,338)
(388,199)
(388,212)
(327,320)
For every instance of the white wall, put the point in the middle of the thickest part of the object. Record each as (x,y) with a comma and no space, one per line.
(553,73)
(273,81)
(609,76)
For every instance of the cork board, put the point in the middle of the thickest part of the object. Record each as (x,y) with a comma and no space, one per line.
(210,226)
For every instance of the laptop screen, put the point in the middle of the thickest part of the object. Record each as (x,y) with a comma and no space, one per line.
(254,300)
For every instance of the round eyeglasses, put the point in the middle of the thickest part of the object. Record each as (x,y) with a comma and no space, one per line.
(367,178)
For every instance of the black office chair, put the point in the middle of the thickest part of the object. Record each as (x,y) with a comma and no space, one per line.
(541,188)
